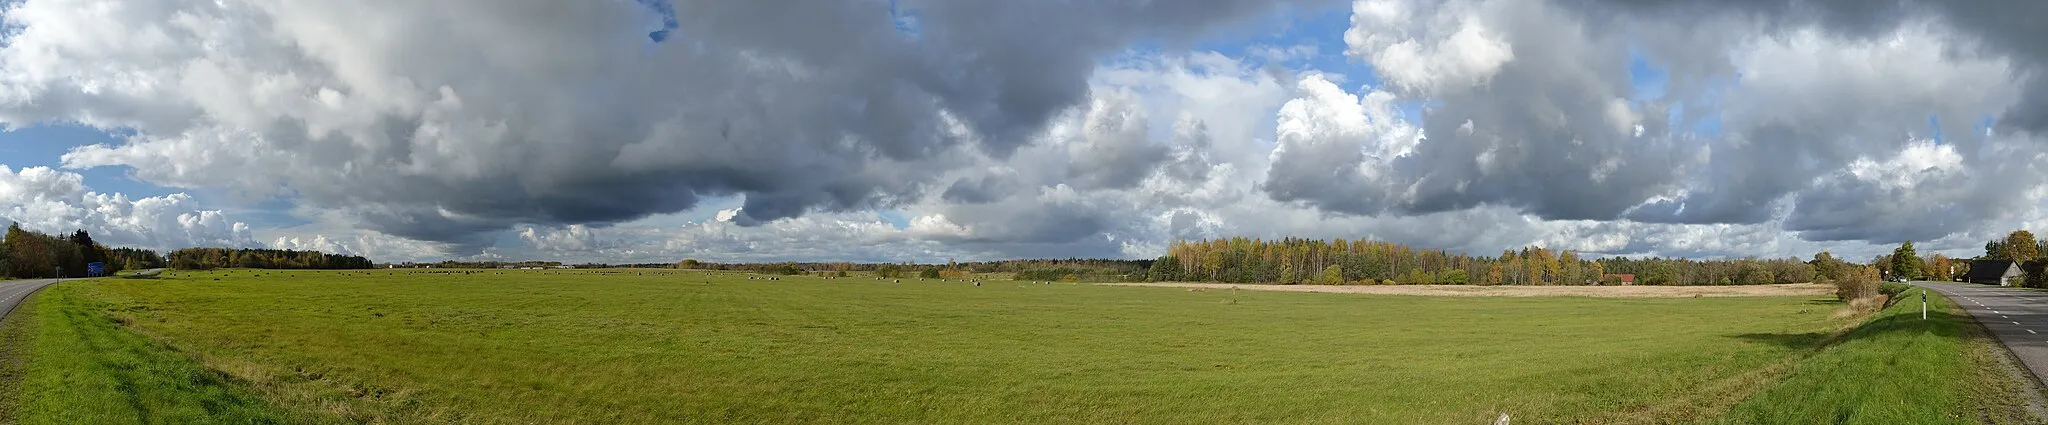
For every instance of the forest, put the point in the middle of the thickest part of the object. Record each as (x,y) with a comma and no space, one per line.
(1339,261)
(217,258)
(31,255)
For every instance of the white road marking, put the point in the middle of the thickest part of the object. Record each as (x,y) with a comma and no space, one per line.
(2015,323)
(2031,331)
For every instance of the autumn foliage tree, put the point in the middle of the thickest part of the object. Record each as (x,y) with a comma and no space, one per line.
(2019,246)
(1858,282)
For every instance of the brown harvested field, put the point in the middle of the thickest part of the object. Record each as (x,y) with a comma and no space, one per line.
(1792,289)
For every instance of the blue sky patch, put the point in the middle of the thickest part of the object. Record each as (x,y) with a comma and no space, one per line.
(45,145)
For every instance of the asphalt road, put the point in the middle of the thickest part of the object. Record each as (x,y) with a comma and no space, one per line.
(2019,318)
(13,291)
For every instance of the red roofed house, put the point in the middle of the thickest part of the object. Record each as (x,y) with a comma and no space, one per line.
(1625,278)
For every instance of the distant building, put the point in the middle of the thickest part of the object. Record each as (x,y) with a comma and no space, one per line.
(1625,278)
(1995,272)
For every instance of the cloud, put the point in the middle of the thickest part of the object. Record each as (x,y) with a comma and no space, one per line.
(446,121)
(569,238)
(376,247)
(1282,54)
(1513,103)
(1533,105)
(1114,150)
(1809,104)
(1335,148)
(58,202)
(1429,46)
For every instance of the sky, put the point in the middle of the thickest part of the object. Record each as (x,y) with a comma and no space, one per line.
(908,130)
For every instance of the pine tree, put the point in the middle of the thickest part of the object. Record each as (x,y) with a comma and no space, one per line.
(1994,250)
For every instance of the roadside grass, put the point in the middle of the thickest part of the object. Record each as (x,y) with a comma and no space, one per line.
(87,369)
(504,347)
(1897,369)
(17,341)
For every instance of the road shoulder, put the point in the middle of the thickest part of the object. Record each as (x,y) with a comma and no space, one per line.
(2014,386)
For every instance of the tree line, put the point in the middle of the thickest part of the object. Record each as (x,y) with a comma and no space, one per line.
(32,255)
(1340,261)
(453,264)
(1072,269)
(216,258)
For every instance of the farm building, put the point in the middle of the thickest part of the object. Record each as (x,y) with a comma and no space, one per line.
(1625,278)
(2000,272)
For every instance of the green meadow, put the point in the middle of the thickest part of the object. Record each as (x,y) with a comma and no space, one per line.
(664,346)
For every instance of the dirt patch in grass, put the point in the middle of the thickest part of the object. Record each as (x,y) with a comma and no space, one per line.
(1794,289)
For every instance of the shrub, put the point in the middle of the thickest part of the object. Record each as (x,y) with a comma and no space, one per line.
(1853,289)
(1332,275)
(1862,283)
(1457,277)
(1893,289)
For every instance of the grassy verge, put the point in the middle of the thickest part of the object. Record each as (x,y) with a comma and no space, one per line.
(1898,369)
(86,370)
(17,342)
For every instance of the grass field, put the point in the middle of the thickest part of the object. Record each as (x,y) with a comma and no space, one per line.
(505,347)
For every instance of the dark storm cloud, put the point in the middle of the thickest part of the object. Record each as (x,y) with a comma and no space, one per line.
(978,190)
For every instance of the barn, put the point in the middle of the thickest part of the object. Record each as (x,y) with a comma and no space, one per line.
(1995,272)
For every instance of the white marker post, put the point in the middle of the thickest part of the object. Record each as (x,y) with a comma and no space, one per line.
(1923,304)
